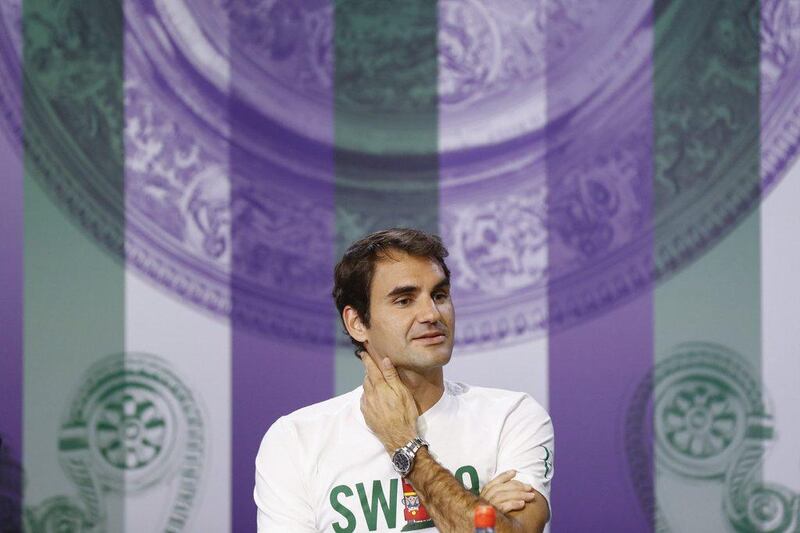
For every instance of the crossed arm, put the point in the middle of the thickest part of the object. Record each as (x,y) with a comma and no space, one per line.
(451,506)
(391,414)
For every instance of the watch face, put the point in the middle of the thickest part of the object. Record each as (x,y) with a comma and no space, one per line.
(401,462)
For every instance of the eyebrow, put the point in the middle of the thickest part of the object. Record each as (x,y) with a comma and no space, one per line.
(413,289)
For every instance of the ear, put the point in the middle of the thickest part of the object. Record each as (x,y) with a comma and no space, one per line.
(355,327)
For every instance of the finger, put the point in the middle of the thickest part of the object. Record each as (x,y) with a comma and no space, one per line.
(515,488)
(389,372)
(371,368)
(513,505)
(367,380)
(503,477)
(497,494)
(500,495)
(516,485)
(368,386)
(514,496)
(526,496)
(499,500)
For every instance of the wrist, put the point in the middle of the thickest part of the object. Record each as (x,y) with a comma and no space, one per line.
(398,441)
(403,458)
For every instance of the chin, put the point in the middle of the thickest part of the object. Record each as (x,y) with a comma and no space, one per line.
(435,356)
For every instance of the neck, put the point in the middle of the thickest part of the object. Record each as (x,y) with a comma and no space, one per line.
(426,388)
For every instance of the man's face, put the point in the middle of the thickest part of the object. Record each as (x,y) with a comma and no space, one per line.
(412,320)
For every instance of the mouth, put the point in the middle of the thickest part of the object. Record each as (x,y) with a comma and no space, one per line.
(431,338)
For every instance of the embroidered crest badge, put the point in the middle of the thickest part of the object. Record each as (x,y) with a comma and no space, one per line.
(414,512)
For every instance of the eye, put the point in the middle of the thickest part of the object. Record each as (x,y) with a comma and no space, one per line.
(441,297)
(403,301)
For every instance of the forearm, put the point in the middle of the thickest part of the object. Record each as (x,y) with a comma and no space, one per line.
(449,504)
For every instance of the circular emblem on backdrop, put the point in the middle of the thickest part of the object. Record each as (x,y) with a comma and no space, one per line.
(135,419)
(132,426)
(56,515)
(130,429)
(705,399)
(709,422)
(771,508)
(527,251)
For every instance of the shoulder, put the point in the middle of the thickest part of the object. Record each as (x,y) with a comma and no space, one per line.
(313,418)
(331,407)
(497,399)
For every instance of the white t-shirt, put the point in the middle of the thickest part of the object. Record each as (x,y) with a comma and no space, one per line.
(321,469)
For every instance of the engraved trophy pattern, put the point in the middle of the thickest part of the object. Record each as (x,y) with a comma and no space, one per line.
(496,218)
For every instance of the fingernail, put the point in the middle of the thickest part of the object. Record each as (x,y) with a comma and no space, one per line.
(387,363)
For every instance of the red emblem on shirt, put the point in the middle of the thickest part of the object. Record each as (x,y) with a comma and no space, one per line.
(414,512)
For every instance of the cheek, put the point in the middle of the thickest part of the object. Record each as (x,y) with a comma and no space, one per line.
(392,329)
(400,327)
(448,312)
(390,333)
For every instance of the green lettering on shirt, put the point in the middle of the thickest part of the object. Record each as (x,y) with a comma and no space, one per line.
(348,515)
(470,471)
(548,460)
(379,500)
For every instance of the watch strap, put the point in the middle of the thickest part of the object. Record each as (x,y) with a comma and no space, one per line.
(415,444)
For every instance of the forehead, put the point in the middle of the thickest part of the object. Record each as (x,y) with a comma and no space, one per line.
(400,268)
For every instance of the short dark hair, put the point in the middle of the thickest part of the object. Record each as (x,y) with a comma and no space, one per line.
(352,277)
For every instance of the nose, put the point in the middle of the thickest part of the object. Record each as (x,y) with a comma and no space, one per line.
(429,312)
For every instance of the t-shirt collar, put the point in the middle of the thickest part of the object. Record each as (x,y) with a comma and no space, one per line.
(441,406)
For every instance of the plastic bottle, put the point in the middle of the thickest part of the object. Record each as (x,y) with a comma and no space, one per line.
(484,519)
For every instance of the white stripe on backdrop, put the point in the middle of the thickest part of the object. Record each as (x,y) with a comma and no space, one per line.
(197,348)
(780,307)
(190,342)
(521,367)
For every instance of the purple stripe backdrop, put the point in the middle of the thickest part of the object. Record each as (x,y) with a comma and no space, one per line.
(282,215)
(11,236)
(592,367)
(599,126)
(11,293)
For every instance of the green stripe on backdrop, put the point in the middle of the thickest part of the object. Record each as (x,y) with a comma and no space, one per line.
(707,409)
(73,288)
(386,127)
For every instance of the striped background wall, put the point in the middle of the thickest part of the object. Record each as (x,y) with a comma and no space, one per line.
(616,183)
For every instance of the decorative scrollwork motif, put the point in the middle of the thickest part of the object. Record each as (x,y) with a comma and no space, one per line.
(132,426)
(710,423)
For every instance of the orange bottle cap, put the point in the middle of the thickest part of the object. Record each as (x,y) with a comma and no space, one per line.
(485,516)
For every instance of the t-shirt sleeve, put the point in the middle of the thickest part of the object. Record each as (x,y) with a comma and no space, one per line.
(526,445)
(280,493)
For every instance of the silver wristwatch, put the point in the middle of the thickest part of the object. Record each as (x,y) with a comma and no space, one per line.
(403,458)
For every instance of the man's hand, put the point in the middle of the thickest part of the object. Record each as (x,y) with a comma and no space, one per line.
(507,494)
(387,404)
(390,412)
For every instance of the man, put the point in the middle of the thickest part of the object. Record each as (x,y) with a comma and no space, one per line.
(407,450)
